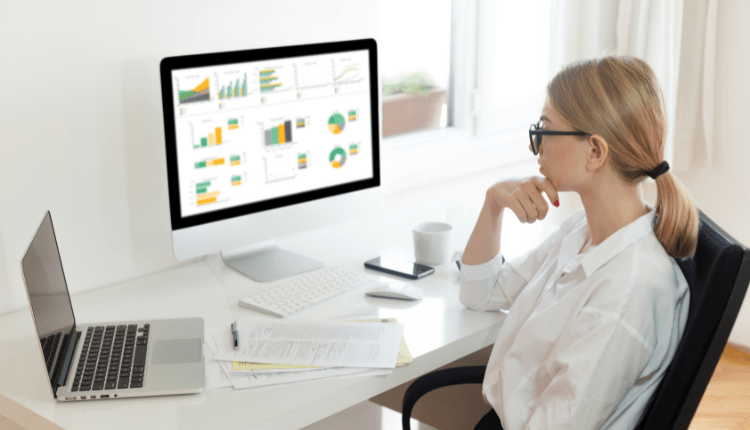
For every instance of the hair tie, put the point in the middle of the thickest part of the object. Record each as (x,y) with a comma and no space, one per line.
(658,170)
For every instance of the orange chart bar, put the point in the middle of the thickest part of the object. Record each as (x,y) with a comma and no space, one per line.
(204,201)
(207,198)
(218,135)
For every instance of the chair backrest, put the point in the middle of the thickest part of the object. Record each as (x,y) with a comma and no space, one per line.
(718,276)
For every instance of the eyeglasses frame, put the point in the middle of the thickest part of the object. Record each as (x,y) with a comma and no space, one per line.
(535,130)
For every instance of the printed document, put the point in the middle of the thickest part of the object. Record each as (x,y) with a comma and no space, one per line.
(332,344)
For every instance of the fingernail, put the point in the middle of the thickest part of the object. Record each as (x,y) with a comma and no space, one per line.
(556,203)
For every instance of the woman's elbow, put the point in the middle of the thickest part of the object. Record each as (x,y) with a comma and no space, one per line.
(472,300)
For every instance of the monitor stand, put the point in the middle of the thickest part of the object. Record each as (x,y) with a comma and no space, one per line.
(267,262)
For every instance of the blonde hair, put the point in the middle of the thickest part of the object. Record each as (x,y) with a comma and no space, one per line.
(619,99)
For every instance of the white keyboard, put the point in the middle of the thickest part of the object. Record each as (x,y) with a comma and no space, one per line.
(304,291)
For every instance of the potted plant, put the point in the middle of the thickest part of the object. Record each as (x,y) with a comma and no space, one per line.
(411,102)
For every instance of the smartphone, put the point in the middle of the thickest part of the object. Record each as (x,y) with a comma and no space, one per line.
(399,268)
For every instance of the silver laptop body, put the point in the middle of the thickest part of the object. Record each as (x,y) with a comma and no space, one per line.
(105,360)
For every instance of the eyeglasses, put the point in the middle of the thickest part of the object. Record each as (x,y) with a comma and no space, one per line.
(536,133)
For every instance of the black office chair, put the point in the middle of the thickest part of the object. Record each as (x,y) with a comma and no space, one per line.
(718,276)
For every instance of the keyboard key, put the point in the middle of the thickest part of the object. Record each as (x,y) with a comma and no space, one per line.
(122,383)
(140,356)
(136,385)
(110,385)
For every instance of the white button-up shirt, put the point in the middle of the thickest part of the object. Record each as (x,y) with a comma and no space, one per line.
(587,337)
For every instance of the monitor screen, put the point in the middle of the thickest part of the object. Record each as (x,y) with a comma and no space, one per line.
(254,130)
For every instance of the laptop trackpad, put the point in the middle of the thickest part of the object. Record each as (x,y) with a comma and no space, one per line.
(176,351)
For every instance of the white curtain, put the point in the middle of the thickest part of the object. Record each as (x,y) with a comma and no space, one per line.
(675,37)
(694,117)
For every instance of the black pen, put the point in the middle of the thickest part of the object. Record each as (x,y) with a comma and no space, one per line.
(236,336)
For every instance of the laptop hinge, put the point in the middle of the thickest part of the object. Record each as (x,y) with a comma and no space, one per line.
(64,361)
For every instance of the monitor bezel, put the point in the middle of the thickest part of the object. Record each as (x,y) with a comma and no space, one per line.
(170,64)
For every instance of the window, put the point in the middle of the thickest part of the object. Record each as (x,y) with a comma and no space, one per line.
(512,63)
(415,61)
(492,56)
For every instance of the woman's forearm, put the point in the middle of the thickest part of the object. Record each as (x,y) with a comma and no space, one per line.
(484,242)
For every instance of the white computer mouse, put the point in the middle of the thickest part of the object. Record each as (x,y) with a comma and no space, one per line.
(395,290)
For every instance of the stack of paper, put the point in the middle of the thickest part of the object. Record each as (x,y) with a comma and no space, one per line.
(278,352)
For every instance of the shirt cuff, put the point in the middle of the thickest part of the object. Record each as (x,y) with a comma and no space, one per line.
(478,272)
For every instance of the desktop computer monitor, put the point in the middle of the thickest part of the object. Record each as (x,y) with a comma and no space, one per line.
(269,142)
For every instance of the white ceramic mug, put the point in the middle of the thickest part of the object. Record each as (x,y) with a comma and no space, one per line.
(432,242)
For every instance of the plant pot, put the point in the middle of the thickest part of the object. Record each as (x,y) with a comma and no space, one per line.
(409,112)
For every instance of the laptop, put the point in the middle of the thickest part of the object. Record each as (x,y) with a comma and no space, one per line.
(108,360)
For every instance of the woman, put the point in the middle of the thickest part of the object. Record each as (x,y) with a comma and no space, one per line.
(597,310)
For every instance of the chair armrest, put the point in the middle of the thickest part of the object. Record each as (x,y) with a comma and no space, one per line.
(438,379)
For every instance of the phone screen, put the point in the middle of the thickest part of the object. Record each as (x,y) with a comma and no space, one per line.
(404,267)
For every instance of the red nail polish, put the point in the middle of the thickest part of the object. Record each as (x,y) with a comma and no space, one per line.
(556,203)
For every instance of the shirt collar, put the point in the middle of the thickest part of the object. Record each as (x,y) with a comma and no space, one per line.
(618,241)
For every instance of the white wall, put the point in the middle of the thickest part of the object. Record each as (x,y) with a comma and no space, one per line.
(82,126)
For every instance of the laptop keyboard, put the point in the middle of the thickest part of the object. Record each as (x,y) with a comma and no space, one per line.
(49,346)
(113,357)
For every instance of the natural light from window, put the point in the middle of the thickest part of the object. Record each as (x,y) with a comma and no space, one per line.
(521,51)
(414,53)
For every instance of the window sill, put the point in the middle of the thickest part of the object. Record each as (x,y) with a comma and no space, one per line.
(422,158)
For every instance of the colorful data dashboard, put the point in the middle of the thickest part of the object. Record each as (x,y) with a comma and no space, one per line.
(255,131)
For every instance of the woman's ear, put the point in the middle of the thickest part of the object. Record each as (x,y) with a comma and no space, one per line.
(598,151)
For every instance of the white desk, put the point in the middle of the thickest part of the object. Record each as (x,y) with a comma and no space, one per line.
(438,329)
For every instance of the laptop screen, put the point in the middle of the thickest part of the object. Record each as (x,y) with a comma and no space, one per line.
(48,293)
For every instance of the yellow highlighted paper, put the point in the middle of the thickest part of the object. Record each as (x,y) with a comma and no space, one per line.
(404,356)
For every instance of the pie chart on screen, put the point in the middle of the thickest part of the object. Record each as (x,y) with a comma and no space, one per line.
(337,157)
(336,123)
